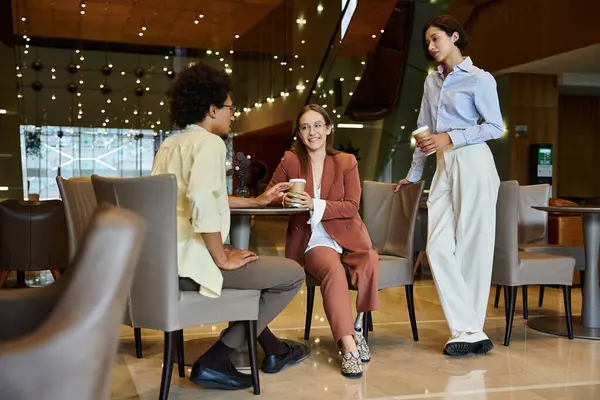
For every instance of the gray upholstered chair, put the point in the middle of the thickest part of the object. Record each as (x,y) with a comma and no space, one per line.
(60,342)
(79,202)
(33,237)
(155,299)
(533,234)
(514,268)
(390,219)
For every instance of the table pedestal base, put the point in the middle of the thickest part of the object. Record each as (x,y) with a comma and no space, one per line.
(558,326)
(196,347)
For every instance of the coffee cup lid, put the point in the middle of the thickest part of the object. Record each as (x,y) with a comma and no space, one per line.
(419,130)
(297,180)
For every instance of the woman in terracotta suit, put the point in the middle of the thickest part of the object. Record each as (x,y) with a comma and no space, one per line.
(332,235)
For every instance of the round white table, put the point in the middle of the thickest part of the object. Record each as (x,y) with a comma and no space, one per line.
(586,326)
(239,233)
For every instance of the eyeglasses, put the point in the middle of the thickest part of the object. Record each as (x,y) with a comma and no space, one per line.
(317,127)
(231,109)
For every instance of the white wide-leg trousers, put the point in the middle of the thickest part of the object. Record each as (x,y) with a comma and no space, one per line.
(461,233)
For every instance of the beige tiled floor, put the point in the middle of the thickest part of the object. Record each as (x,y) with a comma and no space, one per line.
(535,366)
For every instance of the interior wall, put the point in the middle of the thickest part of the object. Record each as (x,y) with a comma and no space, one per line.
(265,146)
(579,142)
(532,103)
(505,33)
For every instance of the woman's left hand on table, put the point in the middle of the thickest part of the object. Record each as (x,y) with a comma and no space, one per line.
(302,199)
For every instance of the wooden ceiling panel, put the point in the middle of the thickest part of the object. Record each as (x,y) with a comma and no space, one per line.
(169,23)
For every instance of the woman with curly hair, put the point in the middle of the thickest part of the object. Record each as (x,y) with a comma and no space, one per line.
(201,105)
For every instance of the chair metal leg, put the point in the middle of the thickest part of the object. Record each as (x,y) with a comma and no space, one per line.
(497,299)
(180,354)
(21,280)
(365,327)
(541,299)
(137,334)
(510,295)
(167,371)
(310,302)
(525,303)
(251,335)
(569,314)
(411,311)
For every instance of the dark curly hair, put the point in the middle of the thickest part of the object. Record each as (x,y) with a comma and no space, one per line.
(449,25)
(196,88)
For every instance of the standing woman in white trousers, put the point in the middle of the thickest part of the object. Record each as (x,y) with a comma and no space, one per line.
(461,109)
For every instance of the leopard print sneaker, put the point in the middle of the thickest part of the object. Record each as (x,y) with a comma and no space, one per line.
(351,365)
(363,348)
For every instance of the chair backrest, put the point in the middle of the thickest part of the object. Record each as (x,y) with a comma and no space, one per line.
(154,297)
(72,353)
(79,201)
(33,235)
(506,249)
(390,217)
(533,224)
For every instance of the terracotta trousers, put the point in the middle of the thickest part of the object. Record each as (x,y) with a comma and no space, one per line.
(325,264)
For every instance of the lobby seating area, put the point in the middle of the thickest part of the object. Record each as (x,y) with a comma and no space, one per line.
(173,321)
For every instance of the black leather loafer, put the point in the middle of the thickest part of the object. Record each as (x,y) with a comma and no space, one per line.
(230,380)
(273,364)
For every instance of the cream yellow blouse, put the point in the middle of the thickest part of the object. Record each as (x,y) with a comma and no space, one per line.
(197,159)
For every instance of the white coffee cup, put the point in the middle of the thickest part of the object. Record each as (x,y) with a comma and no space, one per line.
(420,133)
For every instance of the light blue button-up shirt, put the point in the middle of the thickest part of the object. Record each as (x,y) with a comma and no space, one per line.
(464,105)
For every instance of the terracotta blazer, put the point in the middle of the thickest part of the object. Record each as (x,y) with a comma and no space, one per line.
(340,187)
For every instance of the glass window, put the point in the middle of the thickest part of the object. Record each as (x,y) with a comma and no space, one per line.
(49,151)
